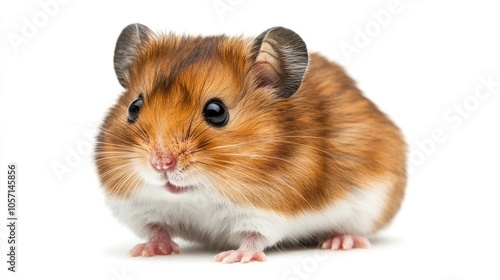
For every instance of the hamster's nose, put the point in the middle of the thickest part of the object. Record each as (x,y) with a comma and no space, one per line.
(162,161)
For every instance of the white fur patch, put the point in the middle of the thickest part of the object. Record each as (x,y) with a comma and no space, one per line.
(205,216)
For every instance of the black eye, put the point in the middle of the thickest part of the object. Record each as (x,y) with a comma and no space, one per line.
(215,113)
(134,108)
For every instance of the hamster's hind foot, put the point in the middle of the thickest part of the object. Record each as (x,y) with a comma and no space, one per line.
(345,242)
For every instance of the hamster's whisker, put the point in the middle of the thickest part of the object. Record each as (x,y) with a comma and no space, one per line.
(116,147)
(304,145)
(123,138)
(304,136)
(278,140)
(261,156)
(208,180)
(95,127)
(130,179)
(273,176)
(200,147)
(119,183)
(200,133)
(127,187)
(245,143)
(222,176)
(262,196)
(275,188)
(103,156)
(117,152)
(115,185)
(119,168)
(139,132)
(259,138)
(106,160)
(225,181)
(116,167)
(217,177)
(143,130)
(123,144)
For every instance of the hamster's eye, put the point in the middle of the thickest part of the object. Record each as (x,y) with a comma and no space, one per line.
(215,113)
(134,108)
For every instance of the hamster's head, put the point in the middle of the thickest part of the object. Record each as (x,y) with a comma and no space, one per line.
(203,114)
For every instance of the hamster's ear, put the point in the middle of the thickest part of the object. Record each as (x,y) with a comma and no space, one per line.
(280,60)
(130,39)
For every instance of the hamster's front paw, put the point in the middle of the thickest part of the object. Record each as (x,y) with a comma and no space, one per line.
(160,243)
(251,249)
(345,242)
(153,248)
(240,255)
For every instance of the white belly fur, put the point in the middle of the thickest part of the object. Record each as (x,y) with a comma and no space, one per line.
(208,218)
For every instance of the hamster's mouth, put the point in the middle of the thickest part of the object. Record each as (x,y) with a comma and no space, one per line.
(175,189)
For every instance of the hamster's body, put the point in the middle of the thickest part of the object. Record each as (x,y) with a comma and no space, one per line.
(300,156)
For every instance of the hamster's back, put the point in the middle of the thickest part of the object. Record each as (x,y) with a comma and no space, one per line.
(364,144)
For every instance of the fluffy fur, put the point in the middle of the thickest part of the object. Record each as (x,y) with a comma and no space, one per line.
(322,161)
(209,218)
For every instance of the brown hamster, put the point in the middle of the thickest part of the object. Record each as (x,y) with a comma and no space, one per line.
(242,144)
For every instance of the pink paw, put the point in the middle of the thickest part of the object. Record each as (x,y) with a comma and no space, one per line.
(239,255)
(155,248)
(345,242)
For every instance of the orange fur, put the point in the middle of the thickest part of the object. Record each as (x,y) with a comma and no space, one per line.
(286,155)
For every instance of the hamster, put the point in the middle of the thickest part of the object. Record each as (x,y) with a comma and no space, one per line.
(242,144)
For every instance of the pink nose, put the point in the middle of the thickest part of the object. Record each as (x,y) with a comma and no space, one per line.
(161,161)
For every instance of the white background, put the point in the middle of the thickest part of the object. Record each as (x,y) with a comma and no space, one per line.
(423,64)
